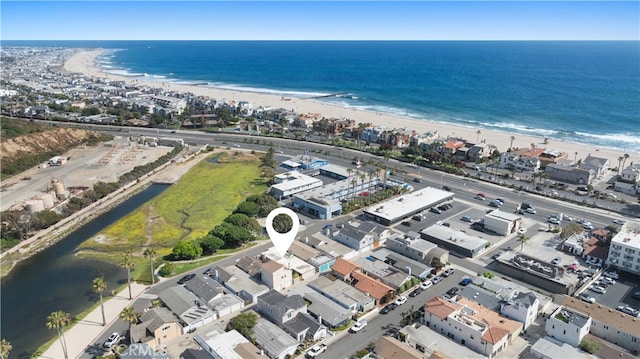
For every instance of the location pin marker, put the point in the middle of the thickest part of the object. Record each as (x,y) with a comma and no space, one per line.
(282,241)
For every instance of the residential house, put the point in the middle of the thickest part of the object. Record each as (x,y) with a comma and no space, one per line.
(275,342)
(522,308)
(304,326)
(470,324)
(193,313)
(340,292)
(239,283)
(599,165)
(250,265)
(564,173)
(279,308)
(226,304)
(320,261)
(387,274)
(522,160)
(325,310)
(343,269)
(567,325)
(433,345)
(402,263)
(361,237)
(381,292)
(548,157)
(228,345)
(275,275)
(628,179)
(609,324)
(205,288)
(452,145)
(479,152)
(156,328)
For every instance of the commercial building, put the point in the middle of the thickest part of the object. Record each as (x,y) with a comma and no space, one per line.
(454,240)
(624,251)
(407,205)
(290,183)
(324,202)
(412,246)
(542,274)
(501,222)
(304,162)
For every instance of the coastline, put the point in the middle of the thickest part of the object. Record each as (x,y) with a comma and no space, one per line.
(84,61)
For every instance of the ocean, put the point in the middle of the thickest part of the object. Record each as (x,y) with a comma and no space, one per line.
(578,91)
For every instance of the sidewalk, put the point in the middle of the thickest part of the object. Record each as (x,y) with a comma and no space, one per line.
(86,332)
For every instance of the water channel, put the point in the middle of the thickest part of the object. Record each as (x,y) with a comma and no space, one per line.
(55,279)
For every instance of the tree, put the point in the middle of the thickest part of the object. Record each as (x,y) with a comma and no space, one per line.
(210,244)
(625,158)
(244,324)
(242,220)
(100,286)
(129,315)
(589,346)
(128,264)
(58,321)
(248,208)
(167,269)
(522,239)
(5,348)
(436,264)
(150,253)
(265,202)
(185,250)
(570,229)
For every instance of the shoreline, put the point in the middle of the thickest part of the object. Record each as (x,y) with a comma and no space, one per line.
(85,62)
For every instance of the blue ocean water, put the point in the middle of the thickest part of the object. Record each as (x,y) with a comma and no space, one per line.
(587,92)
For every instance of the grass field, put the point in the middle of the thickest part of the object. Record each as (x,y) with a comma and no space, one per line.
(200,200)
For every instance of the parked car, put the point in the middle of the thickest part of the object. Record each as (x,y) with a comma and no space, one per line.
(611,274)
(587,226)
(598,289)
(608,280)
(389,307)
(636,295)
(594,263)
(113,339)
(415,293)
(435,210)
(467,219)
(426,285)
(446,188)
(316,350)
(465,282)
(587,298)
(555,260)
(418,218)
(453,291)
(448,272)
(553,220)
(437,279)
(406,223)
(358,326)
(186,278)
(400,300)
(628,310)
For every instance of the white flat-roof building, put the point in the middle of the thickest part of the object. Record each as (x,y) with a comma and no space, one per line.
(405,206)
(454,240)
(292,182)
(501,222)
(624,251)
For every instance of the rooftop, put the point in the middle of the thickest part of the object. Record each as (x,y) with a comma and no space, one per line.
(340,291)
(330,311)
(606,315)
(344,267)
(409,203)
(628,236)
(455,237)
(568,315)
(371,286)
(271,338)
(392,348)
(436,344)
(440,307)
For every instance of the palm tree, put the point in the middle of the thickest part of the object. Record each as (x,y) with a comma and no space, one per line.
(513,138)
(349,172)
(575,156)
(522,239)
(478,135)
(129,315)
(5,348)
(58,320)
(100,286)
(150,253)
(626,157)
(620,164)
(127,263)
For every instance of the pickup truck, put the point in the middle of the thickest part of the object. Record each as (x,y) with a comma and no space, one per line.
(316,350)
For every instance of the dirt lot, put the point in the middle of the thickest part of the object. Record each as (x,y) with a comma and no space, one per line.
(85,166)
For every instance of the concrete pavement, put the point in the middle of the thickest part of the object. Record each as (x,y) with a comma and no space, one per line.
(86,331)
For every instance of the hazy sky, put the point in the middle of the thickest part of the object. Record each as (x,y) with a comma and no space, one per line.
(320,20)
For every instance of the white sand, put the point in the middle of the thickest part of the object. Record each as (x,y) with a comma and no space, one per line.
(84,62)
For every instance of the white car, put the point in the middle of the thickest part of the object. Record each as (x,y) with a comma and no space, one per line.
(360,324)
(611,274)
(401,300)
(316,350)
(587,226)
(426,285)
(553,220)
(531,210)
(598,289)
(587,298)
(566,218)
(113,339)
(628,310)
(619,221)
(608,280)
(555,260)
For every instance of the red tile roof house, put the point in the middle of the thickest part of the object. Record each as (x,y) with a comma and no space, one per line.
(381,292)
(343,268)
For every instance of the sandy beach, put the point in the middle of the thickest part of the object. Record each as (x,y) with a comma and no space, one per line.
(84,62)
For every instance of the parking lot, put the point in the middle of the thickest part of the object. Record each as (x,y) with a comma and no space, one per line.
(620,293)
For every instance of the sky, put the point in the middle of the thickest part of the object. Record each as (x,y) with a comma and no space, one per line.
(319,20)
